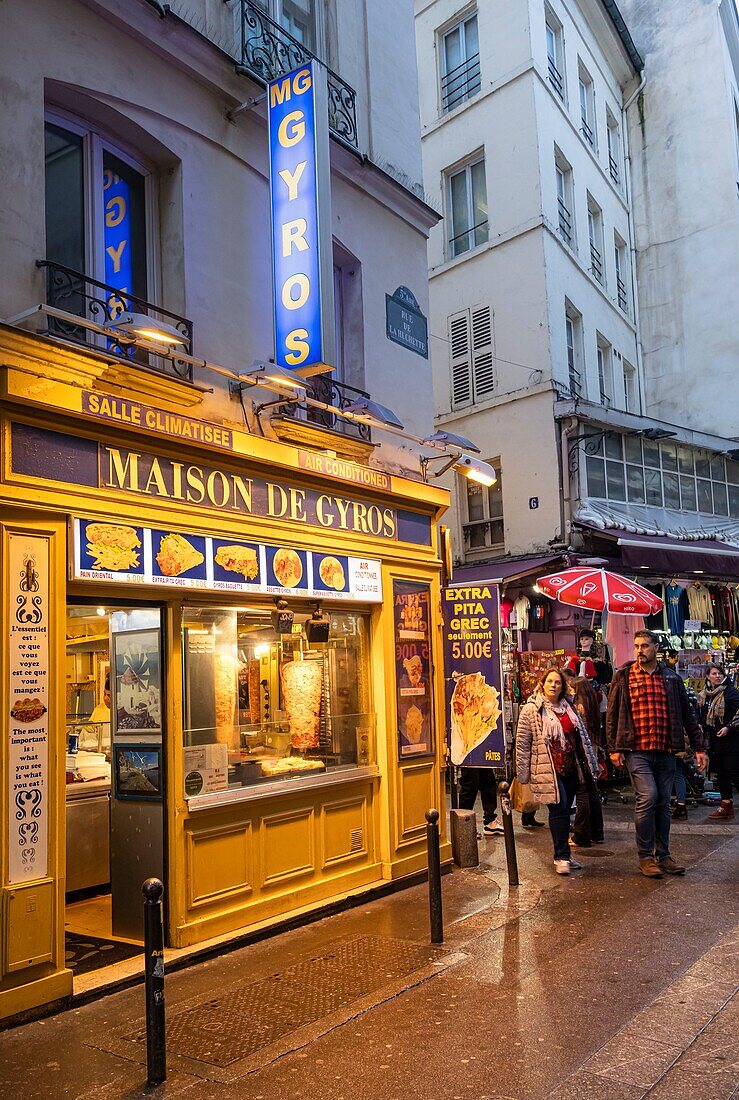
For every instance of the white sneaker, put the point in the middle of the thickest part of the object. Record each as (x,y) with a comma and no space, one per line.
(575,865)
(493,828)
(562,866)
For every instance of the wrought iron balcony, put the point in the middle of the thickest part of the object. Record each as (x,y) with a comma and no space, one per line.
(327,389)
(461,83)
(555,78)
(77,293)
(596,263)
(587,131)
(613,170)
(623,298)
(468,238)
(268,51)
(565,221)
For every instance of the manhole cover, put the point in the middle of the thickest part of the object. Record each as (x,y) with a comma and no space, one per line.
(253,1015)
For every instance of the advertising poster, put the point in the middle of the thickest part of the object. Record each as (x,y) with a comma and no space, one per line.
(473,678)
(411,602)
(28,669)
(138,683)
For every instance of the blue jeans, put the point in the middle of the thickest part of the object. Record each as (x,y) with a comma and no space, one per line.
(681,787)
(652,775)
(559,815)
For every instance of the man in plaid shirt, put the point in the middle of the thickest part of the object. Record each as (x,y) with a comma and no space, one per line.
(648,716)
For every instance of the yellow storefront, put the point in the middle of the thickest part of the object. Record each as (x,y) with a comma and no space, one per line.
(221,664)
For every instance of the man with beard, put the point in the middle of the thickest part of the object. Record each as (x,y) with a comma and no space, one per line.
(648,716)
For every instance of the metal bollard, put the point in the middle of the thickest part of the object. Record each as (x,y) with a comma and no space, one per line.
(434,861)
(156,1041)
(510,841)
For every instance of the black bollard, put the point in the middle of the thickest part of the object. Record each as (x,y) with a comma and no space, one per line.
(434,860)
(156,1042)
(508,837)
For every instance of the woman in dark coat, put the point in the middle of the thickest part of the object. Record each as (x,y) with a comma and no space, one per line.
(588,826)
(719,702)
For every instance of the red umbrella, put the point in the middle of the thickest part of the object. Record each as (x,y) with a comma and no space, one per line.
(599,590)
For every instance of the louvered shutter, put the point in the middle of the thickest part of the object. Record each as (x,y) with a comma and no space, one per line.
(483,363)
(459,350)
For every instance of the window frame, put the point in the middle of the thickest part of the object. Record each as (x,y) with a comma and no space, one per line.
(459,24)
(450,174)
(478,359)
(566,223)
(558,78)
(274,10)
(487,522)
(620,261)
(586,97)
(574,357)
(613,142)
(606,373)
(595,239)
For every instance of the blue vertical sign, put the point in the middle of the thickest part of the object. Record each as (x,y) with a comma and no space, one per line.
(473,676)
(300,192)
(118,267)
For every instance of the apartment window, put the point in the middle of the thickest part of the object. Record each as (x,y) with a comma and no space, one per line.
(641,471)
(587,106)
(300,18)
(460,58)
(565,199)
(484,525)
(604,355)
(468,207)
(614,148)
(595,235)
(573,339)
(631,389)
(555,53)
(472,355)
(620,263)
(96,210)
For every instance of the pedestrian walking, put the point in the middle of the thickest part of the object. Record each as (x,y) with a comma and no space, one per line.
(719,702)
(553,750)
(648,716)
(482,781)
(588,825)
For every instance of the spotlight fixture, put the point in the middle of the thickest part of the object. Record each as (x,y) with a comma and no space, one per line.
(655,434)
(374,411)
(440,440)
(278,378)
(475,470)
(317,626)
(139,325)
(282,617)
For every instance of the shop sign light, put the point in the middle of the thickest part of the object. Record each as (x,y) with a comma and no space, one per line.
(300,190)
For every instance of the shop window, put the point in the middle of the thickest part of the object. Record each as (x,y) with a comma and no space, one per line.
(467,207)
(472,355)
(460,60)
(96,211)
(484,528)
(261,705)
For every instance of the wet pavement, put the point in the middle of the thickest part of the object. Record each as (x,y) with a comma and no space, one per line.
(603,984)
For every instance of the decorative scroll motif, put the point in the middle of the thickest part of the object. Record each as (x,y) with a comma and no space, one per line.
(77,293)
(341,396)
(28,584)
(268,51)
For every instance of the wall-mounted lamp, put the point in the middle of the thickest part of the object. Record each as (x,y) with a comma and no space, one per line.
(655,434)
(474,469)
(276,378)
(440,440)
(140,326)
(373,412)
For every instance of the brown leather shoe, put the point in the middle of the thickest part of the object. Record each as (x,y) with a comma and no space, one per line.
(650,868)
(669,866)
(725,812)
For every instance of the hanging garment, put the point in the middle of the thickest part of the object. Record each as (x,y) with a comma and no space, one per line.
(656,621)
(620,631)
(539,617)
(699,603)
(506,606)
(521,607)
(676,603)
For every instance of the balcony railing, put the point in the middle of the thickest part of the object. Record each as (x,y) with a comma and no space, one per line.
(565,221)
(575,379)
(623,299)
(461,83)
(327,389)
(468,238)
(77,293)
(596,263)
(587,132)
(555,78)
(613,170)
(268,51)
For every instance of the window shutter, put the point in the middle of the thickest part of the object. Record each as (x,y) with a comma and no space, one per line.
(483,363)
(459,350)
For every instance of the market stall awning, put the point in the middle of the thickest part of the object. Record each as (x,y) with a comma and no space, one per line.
(498,572)
(662,554)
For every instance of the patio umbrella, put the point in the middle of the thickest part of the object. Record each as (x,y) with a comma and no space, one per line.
(600,590)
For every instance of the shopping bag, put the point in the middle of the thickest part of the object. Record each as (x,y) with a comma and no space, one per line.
(522,798)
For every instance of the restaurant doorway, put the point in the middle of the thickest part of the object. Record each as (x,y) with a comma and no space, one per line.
(115,777)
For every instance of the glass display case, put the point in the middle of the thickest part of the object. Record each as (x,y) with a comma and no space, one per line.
(261,705)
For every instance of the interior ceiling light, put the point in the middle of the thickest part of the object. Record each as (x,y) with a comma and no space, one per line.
(441,439)
(277,377)
(147,328)
(373,410)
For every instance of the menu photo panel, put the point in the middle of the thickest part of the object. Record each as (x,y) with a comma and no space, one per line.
(415,712)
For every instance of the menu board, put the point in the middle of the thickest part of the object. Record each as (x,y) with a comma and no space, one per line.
(412,605)
(128,554)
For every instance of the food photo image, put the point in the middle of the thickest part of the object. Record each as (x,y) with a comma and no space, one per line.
(475,707)
(235,561)
(331,574)
(288,567)
(27,709)
(175,555)
(137,682)
(112,547)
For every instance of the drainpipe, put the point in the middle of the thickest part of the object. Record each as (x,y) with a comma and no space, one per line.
(632,244)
